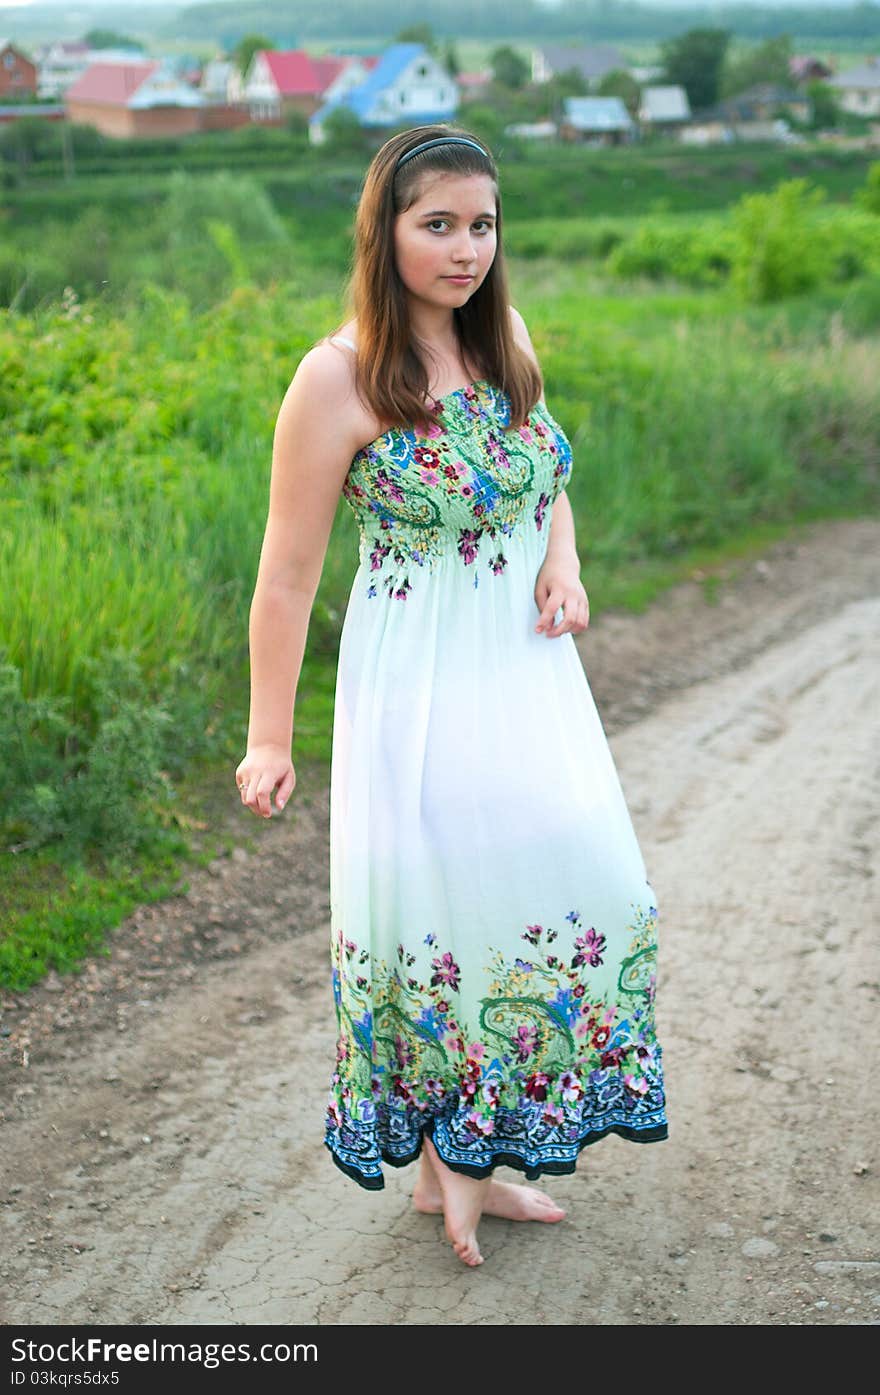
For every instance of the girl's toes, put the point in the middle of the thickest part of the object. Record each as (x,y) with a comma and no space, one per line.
(468,1252)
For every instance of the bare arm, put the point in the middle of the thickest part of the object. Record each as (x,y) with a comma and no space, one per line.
(558,582)
(562,545)
(314,441)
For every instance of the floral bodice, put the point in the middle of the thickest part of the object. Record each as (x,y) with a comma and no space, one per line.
(464,489)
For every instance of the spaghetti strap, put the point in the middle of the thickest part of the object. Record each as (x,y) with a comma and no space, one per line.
(341,339)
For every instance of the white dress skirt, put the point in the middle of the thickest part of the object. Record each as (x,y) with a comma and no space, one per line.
(493,929)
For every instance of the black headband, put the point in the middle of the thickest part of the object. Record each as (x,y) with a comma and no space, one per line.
(440,140)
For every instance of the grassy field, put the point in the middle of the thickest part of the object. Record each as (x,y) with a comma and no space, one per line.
(135,470)
(107,234)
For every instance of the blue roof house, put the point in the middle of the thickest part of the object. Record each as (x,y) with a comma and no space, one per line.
(596,121)
(407,87)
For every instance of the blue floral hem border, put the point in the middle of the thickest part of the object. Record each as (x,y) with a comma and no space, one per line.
(558,1167)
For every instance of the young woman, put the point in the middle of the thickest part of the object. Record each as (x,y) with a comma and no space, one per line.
(494,933)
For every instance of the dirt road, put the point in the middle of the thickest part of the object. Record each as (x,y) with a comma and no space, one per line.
(162,1111)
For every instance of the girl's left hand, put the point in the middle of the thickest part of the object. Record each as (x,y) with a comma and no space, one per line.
(559,585)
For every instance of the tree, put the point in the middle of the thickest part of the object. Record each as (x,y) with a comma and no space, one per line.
(246,48)
(545,99)
(27,139)
(825,106)
(110,38)
(343,131)
(766,62)
(620,83)
(418,34)
(693,61)
(508,67)
(570,83)
(450,60)
(868,198)
(486,122)
(297,123)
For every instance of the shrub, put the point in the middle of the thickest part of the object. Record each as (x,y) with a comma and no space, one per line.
(869,197)
(776,252)
(695,255)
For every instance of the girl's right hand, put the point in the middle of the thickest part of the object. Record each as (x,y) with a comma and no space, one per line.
(264,769)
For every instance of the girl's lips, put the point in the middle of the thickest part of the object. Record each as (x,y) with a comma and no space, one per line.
(459,278)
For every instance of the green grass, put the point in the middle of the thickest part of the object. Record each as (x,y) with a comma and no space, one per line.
(135,470)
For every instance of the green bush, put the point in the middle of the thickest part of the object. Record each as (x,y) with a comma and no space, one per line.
(869,197)
(93,783)
(570,238)
(659,250)
(776,252)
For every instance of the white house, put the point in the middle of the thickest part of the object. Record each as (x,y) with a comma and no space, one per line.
(858,89)
(214,82)
(664,108)
(61,63)
(407,87)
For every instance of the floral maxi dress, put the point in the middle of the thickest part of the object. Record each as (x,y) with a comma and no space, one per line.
(493,931)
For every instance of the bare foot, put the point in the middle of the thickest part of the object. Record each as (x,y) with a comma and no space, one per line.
(461,1201)
(512,1200)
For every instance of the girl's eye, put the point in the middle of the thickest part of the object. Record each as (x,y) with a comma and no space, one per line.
(481,221)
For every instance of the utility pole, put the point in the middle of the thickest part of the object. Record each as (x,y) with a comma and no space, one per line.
(67,149)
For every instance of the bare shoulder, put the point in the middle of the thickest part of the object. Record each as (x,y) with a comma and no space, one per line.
(322,395)
(522,336)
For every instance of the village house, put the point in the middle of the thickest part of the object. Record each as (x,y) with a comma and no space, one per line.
(132,100)
(767,100)
(59,65)
(279,82)
(18,75)
(858,89)
(590,61)
(214,80)
(751,115)
(643,73)
(407,87)
(804,68)
(474,85)
(664,110)
(533,130)
(596,121)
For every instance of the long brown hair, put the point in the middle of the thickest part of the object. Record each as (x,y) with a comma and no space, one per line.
(390,377)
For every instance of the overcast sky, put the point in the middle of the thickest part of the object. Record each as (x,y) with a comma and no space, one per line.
(659,4)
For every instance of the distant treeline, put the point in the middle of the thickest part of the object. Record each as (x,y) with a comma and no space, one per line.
(298,22)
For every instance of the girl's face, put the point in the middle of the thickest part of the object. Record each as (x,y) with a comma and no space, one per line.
(448,232)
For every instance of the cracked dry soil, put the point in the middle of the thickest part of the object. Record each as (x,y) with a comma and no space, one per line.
(161,1126)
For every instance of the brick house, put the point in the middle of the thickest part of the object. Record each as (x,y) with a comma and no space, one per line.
(18,75)
(134,99)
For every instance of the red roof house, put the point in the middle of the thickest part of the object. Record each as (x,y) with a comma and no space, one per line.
(134,99)
(278,82)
